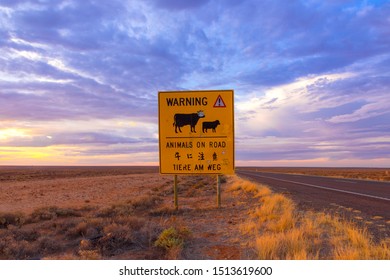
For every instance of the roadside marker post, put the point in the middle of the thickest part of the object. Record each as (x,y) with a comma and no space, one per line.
(196,134)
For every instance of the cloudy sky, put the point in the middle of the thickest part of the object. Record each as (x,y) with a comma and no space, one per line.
(79,79)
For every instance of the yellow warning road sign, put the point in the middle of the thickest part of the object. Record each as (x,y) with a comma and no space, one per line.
(196,132)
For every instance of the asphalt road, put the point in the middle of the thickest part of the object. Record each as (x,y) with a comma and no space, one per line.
(371,198)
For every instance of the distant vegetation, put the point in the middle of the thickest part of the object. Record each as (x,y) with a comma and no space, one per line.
(379,174)
(27,173)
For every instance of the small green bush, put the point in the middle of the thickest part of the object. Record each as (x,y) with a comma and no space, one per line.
(172,238)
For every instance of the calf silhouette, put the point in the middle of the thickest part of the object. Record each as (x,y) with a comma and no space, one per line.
(210,125)
(187,119)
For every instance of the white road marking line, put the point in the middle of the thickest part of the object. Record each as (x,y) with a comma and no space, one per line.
(324,188)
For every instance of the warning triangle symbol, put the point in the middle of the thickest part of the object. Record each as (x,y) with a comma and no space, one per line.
(219,102)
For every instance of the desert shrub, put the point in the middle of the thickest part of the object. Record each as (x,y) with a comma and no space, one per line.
(191,192)
(88,228)
(165,210)
(67,225)
(67,212)
(109,236)
(41,214)
(172,241)
(98,223)
(10,249)
(133,223)
(26,234)
(31,243)
(146,202)
(16,219)
(169,238)
(77,230)
(199,185)
(49,245)
(87,208)
(116,239)
(86,244)
(121,209)
(90,255)
(52,212)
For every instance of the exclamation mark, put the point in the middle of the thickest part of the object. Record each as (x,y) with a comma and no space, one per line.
(219,103)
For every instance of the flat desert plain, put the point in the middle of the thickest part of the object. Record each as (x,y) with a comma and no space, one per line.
(74,211)
(128,213)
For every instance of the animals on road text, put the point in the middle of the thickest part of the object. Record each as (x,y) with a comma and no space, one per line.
(210,125)
(187,119)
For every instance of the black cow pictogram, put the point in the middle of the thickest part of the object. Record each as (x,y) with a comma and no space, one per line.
(210,125)
(187,119)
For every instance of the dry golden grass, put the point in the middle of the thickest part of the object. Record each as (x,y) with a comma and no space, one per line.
(280,232)
(236,184)
(290,245)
